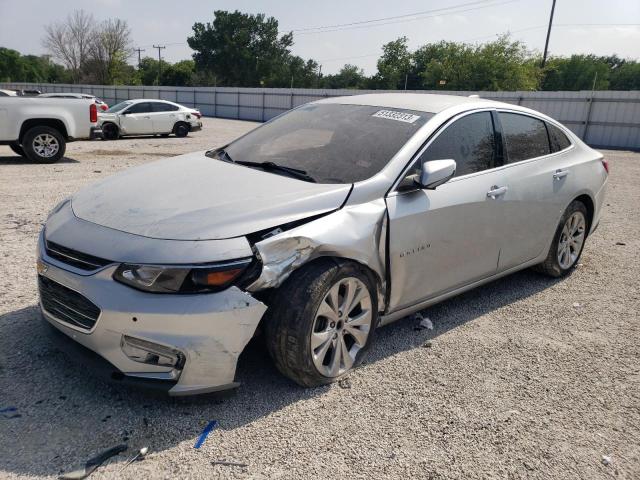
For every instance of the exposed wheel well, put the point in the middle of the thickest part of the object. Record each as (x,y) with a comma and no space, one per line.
(375,278)
(43,122)
(586,200)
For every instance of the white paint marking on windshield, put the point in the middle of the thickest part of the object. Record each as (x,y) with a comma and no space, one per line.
(398,116)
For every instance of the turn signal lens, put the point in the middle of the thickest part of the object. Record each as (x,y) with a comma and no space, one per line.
(215,279)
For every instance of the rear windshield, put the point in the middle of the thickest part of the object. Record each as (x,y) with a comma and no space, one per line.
(333,143)
(118,107)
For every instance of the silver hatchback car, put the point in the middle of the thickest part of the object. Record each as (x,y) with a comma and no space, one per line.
(315,228)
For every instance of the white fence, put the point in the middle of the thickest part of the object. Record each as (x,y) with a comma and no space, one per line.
(602,118)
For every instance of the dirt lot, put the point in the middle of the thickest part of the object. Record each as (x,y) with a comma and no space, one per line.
(522,378)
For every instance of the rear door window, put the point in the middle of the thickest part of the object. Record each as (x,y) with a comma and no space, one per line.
(557,138)
(525,137)
(164,107)
(470,141)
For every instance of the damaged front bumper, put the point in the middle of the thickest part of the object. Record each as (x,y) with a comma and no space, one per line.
(190,343)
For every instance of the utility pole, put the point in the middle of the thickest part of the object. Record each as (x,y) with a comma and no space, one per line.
(546,43)
(319,75)
(139,50)
(160,62)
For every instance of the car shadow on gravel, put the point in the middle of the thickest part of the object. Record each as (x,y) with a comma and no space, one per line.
(18,160)
(67,415)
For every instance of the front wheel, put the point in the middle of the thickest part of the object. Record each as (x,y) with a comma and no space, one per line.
(321,322)
(110,131)
(568,242)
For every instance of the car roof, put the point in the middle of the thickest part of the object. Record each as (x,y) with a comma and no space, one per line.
(423,102)
(153,100)
(79,95)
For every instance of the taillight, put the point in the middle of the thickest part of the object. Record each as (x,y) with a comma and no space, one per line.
(104,107)
(93,113)
(197,115)
(605,164)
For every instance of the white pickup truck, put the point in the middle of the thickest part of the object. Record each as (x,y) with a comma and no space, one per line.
(39,128)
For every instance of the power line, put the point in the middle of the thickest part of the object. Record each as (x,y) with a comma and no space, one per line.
(406,20)
(389,18)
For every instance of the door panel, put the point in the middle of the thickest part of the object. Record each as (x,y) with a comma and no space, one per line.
(163,122)
(444,238)
(531,208)
(137,120)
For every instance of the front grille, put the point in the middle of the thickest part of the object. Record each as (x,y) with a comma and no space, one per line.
(74,258)
(67,305)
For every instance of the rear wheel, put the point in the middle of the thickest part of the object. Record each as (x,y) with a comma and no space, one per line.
(321,322)
(568,242)
(17,149)
(43,144)
(181,129)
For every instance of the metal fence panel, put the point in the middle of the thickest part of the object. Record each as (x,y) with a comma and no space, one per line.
(602,118)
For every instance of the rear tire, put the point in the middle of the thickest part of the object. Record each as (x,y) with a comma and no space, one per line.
(43,144)
(305,334)
(110,131)
(181,129)
(17,149)
(568,242)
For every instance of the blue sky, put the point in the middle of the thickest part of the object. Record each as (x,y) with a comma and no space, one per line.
(169,23)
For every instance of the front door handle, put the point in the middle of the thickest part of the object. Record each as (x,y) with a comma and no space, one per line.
(560,174)
(147,118)
(496,191)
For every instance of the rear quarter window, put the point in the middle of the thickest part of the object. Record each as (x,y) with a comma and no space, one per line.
(525,137)
(557,138)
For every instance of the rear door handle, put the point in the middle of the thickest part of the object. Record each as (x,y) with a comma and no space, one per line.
(560,174)
(496,191)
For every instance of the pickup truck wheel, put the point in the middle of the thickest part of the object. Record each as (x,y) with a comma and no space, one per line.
(110,131)
(181,129)
(321,322)
(43,144)
(568,242)
(17,149)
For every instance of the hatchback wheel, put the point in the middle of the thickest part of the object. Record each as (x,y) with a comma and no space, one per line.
(321,322)
(568,241)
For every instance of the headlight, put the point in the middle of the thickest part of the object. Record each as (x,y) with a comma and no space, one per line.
(181,279)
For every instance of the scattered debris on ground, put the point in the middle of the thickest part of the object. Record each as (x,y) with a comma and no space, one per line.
(423,322)
(205,433)
(138,456)
(229,464)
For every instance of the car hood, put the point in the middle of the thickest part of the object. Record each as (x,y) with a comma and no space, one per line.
(194,197)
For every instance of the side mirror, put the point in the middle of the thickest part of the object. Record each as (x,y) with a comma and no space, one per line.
(432,174)
(125,113)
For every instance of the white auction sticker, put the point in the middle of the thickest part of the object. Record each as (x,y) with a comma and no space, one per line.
(399,116)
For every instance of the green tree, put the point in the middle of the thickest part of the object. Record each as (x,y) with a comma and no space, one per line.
(10,65)
(240,49)
(394,64)
(350,76)
(577,72)
(179,74)
(625,77)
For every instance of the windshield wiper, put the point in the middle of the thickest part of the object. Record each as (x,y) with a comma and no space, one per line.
(274,167)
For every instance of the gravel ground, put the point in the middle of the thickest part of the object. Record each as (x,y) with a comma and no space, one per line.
(523,378)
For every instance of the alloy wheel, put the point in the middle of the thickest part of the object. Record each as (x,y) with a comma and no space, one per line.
(571,240)
(45,145)
(341,327)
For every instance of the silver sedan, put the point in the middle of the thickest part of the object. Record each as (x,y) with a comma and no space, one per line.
(319,226)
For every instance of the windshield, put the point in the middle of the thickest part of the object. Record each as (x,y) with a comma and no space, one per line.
(118,107)
(332,143)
